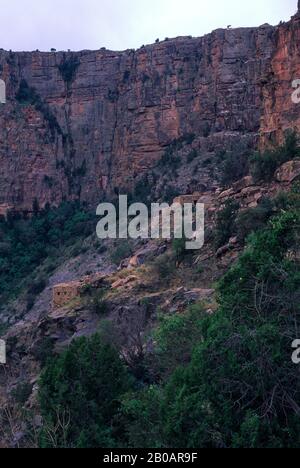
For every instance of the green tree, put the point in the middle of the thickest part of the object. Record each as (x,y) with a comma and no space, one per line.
(82,387)
(226,223)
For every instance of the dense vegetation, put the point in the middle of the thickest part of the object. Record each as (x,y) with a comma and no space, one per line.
(239,162)
(80,396)
(240,388)
(68,68)
(264,165)
(226,223)
(26,242)
(234,165)
(221,380)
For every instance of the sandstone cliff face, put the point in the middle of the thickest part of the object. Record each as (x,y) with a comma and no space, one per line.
(111,118)
(281,112)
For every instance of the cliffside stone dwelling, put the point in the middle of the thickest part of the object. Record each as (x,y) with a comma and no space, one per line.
(64,293)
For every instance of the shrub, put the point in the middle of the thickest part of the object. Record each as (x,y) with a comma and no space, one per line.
(122,251)
(200,269)
(169,193)
(30,301)
(48,181)
(26,95)
(113,95)
(226,223)
(43,350)
(264,165)
(82,388)
(37,286)
(188,138)
(3,328)
(142,190)
(22,392)
(235,166)
(169,159)
(175,338)
(296,188)
(179,249)
(192,155)
(253,219)
(126,76)
(164,267)
(68,68)
(99,304)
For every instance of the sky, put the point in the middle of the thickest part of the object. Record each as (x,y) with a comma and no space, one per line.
(123,24)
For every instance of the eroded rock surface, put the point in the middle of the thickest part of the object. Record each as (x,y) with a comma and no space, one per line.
(96,126)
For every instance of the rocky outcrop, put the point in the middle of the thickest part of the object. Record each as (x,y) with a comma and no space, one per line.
(289,171)
(90,123)
(192,199)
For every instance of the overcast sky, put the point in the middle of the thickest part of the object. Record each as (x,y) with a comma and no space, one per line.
(122,24)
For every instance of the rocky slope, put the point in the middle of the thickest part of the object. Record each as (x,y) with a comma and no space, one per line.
(88,124)
(135,295)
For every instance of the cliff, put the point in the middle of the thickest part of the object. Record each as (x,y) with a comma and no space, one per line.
(87,124)
(280,111)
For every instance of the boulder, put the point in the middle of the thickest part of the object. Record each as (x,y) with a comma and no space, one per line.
(251,191)
(124,282)
(145,254)
(226,194)
(180,299)
(243,183)
(288,172)
(233,243)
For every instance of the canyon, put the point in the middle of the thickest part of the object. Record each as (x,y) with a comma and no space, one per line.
(88,125)
(155,124)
